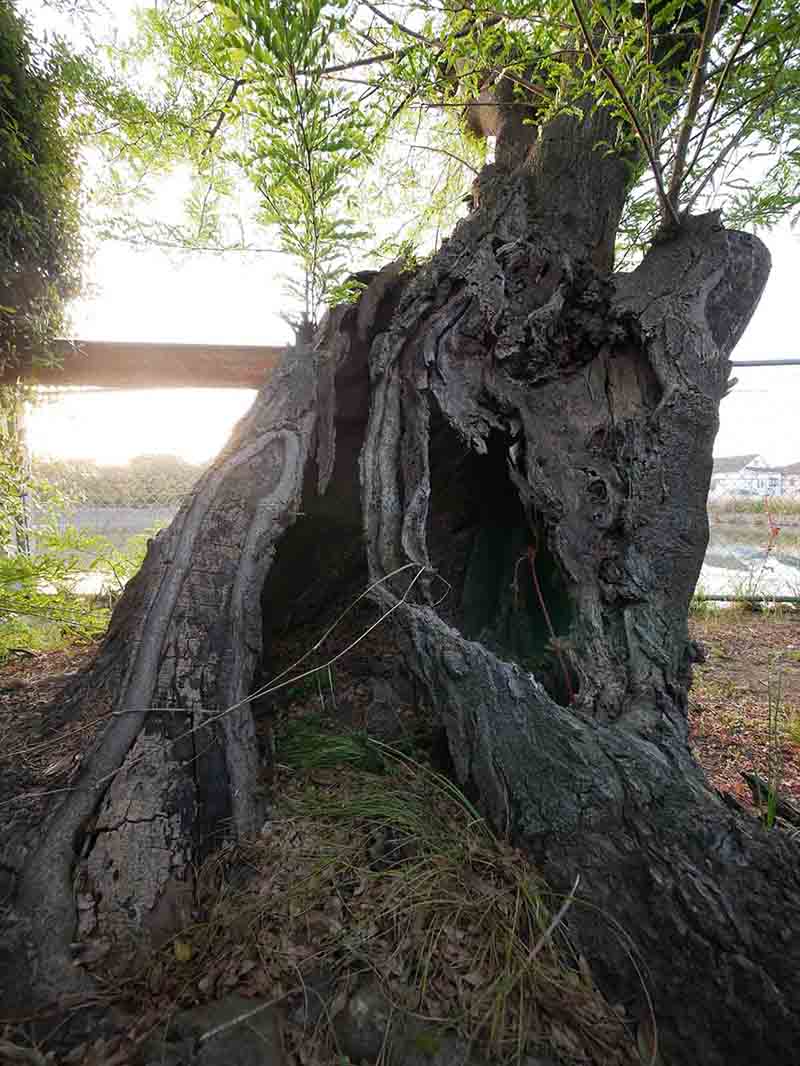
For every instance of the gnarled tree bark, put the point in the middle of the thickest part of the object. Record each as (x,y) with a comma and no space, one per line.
(537,430)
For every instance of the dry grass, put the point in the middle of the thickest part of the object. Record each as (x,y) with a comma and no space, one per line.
(372,866)
(392,875)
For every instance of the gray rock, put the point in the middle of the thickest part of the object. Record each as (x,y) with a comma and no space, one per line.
(361,1028)
(310,1005)
(250,1035)
(368,1027)
(385,724)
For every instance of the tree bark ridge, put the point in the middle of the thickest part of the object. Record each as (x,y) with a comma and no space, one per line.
(608,443)
(536,432)
(183,646)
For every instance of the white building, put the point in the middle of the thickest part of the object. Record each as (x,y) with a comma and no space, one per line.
(751,475)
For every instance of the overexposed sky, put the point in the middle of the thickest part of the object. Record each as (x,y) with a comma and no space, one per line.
(238,299)
(762,413)
(149,294)
(114,427)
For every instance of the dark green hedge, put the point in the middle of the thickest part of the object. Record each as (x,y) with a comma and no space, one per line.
(39,212)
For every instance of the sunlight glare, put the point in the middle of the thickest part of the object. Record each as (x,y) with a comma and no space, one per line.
(113,427)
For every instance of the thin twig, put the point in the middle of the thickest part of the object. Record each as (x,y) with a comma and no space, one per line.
(557,919)
(721,84)
(243,1017)
(269,688)
(630,110)
(212,133)
(743,132)
(402,52)
(692,107)
(441,151)
(382,57)
(398,25)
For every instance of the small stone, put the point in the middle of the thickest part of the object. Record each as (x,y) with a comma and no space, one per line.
(249,1035)
(361,1027)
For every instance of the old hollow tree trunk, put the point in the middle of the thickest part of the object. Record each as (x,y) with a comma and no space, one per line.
(518,420)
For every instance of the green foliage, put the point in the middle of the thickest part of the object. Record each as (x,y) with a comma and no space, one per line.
(44,569)
(713,108)
(13,476)
(699,607)
(39,246)
(345,110)
(116,565)
(300,174)
(42,605)
(39,605)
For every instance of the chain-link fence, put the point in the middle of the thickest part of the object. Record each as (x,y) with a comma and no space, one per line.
(754,503)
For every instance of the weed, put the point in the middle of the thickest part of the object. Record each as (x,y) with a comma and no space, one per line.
(41,607)
(699,606)
(774,743)
(306,744)
(751,587)
(781,505)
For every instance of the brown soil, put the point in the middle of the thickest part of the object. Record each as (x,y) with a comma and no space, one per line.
(751,659)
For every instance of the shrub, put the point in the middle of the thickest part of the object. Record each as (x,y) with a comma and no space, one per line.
(39,216)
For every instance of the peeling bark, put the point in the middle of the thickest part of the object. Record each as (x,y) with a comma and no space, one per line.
(537,432)
(603,396)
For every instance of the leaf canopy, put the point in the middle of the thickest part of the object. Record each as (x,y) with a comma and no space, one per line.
(357,124)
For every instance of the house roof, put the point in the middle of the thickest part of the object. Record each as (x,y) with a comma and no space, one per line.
(792,468)
(732,463)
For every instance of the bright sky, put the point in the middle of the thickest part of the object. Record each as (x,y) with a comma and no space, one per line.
(147,295)
(152,295)
(761,414)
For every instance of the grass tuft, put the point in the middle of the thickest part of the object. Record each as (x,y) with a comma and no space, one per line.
(380,867)
(305,744)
